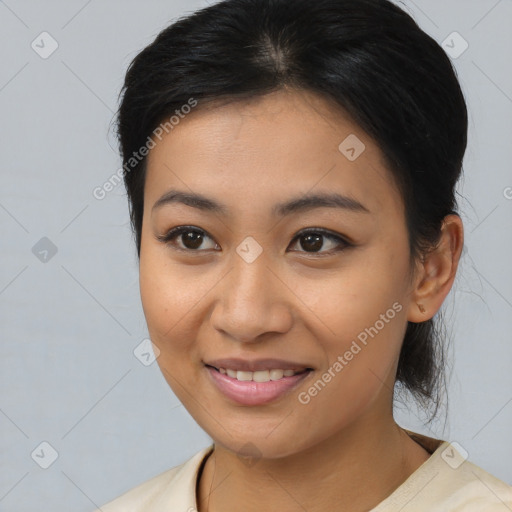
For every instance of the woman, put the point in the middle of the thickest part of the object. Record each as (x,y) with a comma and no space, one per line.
(291,170)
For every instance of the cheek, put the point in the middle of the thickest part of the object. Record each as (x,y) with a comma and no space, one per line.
(168,300)
(367,343)
(361,365)
(363,323)
(170,306)
(356,299)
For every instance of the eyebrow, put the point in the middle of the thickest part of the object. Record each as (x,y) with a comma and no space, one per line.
(295,205)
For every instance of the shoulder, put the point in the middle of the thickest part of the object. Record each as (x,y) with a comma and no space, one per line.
(447,481)
(473,488)
(173,489)
(141,496)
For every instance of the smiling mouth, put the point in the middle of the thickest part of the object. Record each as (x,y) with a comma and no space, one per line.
(259,387)
(272,374)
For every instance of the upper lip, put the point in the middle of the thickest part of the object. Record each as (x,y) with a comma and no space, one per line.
(256,364)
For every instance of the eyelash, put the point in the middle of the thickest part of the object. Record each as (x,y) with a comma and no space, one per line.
(169,237)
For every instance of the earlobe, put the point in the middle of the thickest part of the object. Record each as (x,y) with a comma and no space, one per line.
(437,271)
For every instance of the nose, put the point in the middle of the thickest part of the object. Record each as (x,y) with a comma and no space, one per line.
(251,301)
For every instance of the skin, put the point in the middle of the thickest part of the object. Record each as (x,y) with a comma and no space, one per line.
(342,450)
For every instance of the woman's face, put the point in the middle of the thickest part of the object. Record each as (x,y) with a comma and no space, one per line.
(246,283)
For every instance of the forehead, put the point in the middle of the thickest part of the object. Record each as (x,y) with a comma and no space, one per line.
(278,145)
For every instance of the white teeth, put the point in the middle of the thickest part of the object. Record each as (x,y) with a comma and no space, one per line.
(243,375)
(261,376)
(276,374)
(258,376)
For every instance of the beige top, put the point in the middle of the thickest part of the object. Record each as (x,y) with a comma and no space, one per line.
(446,482)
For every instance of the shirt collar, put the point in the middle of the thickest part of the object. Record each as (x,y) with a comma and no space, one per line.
(180,494)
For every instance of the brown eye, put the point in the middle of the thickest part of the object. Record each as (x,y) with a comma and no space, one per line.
(313,241)
(191,238)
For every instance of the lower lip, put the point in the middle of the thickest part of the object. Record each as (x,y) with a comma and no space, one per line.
(254,393)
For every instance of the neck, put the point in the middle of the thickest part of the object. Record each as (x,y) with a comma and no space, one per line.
(353,470)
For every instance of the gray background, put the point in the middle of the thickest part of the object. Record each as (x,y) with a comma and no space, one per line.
(71,321)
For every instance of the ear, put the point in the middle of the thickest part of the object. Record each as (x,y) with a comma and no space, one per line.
(436,272)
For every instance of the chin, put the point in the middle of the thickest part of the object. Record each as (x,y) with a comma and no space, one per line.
(254,448)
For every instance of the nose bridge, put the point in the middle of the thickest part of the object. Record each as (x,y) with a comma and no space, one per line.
(250,281)
(252,300)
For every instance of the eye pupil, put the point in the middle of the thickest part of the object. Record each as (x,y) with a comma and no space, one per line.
(315,242)
(193,238)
